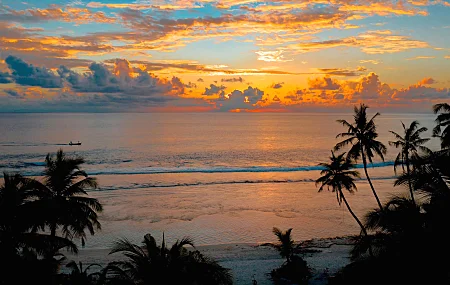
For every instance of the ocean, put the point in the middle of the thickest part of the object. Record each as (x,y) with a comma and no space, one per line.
(216,177)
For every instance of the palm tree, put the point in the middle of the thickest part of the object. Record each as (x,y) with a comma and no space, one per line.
(64,196)
(286,243)
(19,214)
(338,175)
(442,121)
(78,276)
(409,144)
(20,246)
(362,136)
(153,264)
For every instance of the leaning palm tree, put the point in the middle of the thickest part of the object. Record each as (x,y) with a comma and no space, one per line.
(362,135)
(65,197)
(442,121)
(285,243)
(409,145)
(153,264)
(338,176)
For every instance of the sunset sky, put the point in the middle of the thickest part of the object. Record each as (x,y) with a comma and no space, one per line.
(229,56)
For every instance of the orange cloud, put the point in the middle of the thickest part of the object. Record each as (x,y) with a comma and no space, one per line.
(371,42)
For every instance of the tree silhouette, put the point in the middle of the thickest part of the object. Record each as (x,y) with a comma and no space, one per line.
(64,198)
(409,145)
(362,135)
(153,264)
(442,121)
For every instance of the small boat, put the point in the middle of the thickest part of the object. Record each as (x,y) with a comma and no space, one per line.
(74,143)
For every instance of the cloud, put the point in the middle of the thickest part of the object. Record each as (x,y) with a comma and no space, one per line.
(200,80)
(233,79)
(427,81)
(277,85)
(276,99)
(27,74)
(419,92)
(5,78)
(372,61)
(370,42)
(54,13)
(342,71)
(118,88)
(246,99)
(421,57)
(271,56)
(325,83)
(214,90)
(14,93)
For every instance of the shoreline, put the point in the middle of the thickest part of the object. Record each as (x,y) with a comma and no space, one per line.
(325,256)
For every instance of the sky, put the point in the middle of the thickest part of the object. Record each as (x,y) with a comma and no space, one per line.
(223,56)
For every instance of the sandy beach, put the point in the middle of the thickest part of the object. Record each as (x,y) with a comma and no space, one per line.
(248,261)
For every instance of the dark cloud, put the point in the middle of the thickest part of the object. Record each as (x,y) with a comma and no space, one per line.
(200,80)
(239,79)
(276,99)
(342,71)
(214,90)
(325,83)
(295,96)
(27,74)
(5,77)
(240,99)
(13,93)
(277,85)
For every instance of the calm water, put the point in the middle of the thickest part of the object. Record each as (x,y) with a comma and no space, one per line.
(219,178)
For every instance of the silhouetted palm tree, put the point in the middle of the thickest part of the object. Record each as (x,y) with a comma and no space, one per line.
(285,243)
(409,145)
(362,134)
(65,199)
(153,264)
(20,246)
(338,175)
(78,276)
(442,121)
(19,214)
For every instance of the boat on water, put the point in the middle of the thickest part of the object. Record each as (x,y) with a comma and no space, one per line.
(74,143)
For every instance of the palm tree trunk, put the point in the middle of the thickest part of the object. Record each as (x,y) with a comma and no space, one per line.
(409,180)
(53,229)
(363,229)
(370,181)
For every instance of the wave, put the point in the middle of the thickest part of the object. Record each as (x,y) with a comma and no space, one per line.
(181,170)
(208,183)
(178,170)
(151,185)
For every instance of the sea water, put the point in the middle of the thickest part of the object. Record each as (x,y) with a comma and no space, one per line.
(216,177)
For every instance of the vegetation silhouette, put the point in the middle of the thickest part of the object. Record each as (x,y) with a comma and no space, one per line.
(410,143)
(20,245)
(339,174)
(410,235)
(362,135)
(442,121)
(295,269)
(63,196)
(153,264)
(80,276)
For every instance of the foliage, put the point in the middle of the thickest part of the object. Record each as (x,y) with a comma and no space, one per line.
(295,268)
(153,264)
(362,136)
